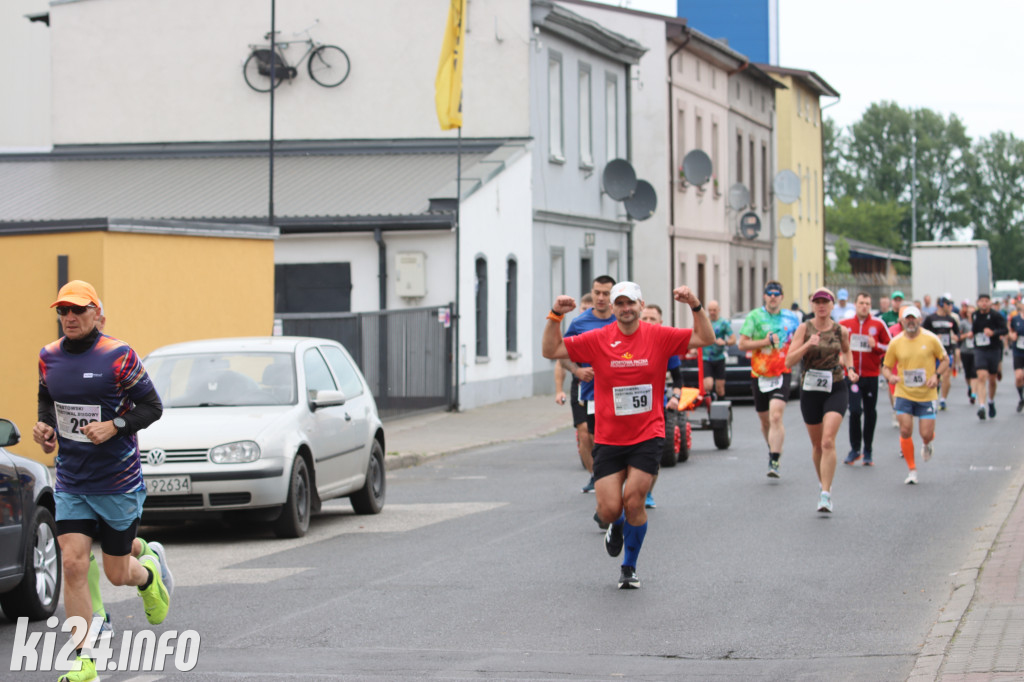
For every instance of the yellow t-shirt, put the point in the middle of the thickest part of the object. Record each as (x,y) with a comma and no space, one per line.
(917,358)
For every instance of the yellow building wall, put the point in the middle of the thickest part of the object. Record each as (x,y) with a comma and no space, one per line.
(156,289)
(800,263)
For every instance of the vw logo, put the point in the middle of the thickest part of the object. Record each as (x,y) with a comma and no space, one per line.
(156,456)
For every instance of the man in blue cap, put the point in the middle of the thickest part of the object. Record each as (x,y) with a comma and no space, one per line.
(843,309)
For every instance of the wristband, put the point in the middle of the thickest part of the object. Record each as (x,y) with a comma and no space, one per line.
(700,307)
(555,317)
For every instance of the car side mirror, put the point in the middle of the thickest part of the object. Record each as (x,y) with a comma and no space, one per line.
(318,399)
(9,434)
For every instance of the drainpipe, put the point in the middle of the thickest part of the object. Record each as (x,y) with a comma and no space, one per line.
(672,177)
(382,267)
(629,157)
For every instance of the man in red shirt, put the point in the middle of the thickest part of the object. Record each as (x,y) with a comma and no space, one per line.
(629,360)
(869,339)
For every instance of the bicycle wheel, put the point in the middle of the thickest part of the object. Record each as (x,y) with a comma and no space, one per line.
(328,65)
(256,71)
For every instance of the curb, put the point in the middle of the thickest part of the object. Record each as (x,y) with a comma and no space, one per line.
(404,461)
(965,583)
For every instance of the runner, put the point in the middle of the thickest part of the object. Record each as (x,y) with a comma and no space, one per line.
(1017,340)
(989,328)
(824,346)
(595,318)
(842,309)
(766,333)
(869,339)
(652,315)
(714,355)
(629,361)
(99,489)
(967,350)
(915,351)
(892,316)
(944,324)
(579,412)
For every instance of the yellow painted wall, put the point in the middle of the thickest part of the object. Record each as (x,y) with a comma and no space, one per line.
(156,289)
(800,258)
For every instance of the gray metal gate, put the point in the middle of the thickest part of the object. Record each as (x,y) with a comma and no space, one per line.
(405,355)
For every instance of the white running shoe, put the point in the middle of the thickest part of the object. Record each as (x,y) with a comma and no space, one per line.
(926,451)
(825,502)
(911,477)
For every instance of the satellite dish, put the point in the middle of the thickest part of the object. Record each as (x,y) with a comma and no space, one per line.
(697,168)
(787,186)
(739,197)
(750,225)
(641,204)
(618,179)
(787,226)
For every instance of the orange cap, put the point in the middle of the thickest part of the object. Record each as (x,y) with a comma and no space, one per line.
(76,292)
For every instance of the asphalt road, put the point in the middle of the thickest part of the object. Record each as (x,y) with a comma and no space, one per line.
(487,565)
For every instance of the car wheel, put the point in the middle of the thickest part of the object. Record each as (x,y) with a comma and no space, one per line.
(36,596)
(685,441)
(294,519)
(370,498)
(674,435)
(723,433)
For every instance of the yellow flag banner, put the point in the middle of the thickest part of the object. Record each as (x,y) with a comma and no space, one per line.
(448,85)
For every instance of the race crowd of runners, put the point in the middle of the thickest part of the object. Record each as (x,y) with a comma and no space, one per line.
(846,351)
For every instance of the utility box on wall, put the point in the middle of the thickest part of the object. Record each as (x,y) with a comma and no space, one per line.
(411,274)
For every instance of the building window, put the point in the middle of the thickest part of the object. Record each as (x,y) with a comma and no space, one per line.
(698,132)
(739,289)
(511,306)
(611,116)
(681,139)
(556,133)
(313,287)
(714,150)
(557,273)
(738,90)
(752,284)
(586,122)
(764,176)
(814,198)
(800,203)
(586,274)
(739,156)
(701,274)
(753,171)
(799,103)
(481,307)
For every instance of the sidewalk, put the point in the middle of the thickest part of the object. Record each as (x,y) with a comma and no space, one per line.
(411,440)
(980,634)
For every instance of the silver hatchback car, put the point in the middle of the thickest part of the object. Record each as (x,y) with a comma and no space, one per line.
(263,428)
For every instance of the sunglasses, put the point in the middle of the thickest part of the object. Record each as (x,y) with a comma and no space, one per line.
(63,310)
(773,292)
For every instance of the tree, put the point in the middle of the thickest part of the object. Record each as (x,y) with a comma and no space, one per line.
(877,167)
(997,206)
(843,256)
(868,221)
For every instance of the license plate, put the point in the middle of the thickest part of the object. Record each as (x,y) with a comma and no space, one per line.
(732,360)
(169,485)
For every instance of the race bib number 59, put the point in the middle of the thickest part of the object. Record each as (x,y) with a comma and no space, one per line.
(633,399)
(71,419)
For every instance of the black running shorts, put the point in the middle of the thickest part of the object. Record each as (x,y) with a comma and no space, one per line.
(814,404)
(611,459)
(762,400)
(988,359)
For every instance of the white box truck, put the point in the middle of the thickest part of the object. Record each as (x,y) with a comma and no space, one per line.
(963,269)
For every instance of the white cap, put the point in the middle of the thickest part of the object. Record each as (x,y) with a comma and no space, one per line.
(630,290)
(911,311)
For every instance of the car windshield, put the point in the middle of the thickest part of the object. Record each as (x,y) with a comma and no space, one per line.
(222,379)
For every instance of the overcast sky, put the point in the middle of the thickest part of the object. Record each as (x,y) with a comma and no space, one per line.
(951,56)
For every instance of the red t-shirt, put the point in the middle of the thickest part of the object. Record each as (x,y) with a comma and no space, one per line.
(867,363)
(629,378)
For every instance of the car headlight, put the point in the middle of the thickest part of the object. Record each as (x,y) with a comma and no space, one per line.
(235,453)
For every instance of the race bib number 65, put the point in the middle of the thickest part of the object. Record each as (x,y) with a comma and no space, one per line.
(71,419)
(633,399)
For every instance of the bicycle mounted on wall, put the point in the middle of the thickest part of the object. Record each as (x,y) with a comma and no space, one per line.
(328,65)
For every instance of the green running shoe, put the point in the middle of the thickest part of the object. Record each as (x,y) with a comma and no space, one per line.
(155,597)
(86,671)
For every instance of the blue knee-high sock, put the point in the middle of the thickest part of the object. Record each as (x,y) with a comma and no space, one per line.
(633,539)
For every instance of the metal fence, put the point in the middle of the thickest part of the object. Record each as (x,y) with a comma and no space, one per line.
(405,355)
(876,284)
